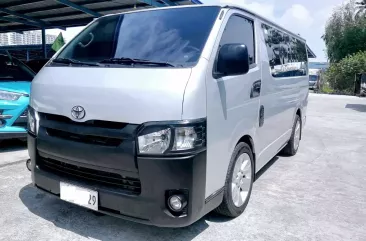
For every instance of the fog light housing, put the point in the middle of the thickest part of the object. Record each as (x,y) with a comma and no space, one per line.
(177,203)
(2,123)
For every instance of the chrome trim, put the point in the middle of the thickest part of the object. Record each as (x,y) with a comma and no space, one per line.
(5,117)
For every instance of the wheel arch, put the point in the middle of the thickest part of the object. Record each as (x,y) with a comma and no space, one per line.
(298,112)
(249,141)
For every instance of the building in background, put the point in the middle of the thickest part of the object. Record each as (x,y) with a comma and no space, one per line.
(4,39)
(27,38)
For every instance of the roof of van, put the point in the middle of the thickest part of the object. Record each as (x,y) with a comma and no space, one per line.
(232,6)
(25,15)
(311,54)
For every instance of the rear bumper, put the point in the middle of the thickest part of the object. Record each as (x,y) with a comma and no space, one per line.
(157,177)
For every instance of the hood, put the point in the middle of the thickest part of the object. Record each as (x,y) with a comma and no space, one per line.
(16,86)
(130,95)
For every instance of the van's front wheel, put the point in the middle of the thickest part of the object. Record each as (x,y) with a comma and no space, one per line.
(239,182)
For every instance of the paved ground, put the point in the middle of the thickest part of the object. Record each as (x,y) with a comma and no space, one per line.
(318,195)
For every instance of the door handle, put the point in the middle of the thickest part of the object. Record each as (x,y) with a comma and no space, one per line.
(256,89)
(261,116)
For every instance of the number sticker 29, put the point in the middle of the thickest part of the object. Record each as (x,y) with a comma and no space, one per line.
(79,195)
(92,199)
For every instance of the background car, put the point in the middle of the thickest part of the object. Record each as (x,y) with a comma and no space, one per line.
(37,64)
(15,82)
(313,80)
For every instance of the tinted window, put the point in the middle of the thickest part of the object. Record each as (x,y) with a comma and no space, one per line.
(14,70)
(313,78)
(240,30)
(287,55)
(176,36)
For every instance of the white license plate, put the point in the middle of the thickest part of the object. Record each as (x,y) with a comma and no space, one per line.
(79,195)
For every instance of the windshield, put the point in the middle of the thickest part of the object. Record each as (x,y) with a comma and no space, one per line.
(14,70)
(318,65)
(313,77)
(174,36)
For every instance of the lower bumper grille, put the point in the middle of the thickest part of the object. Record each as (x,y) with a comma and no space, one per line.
(91,176)
(22,120)
(25,113)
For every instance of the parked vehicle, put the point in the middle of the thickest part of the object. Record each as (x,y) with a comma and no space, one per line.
(313,79)
(145,117)
(15,82)
(36,64)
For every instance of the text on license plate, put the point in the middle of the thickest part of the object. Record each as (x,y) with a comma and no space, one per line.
(79,195)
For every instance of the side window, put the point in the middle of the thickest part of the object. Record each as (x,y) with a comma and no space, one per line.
(287,55)
(240,30)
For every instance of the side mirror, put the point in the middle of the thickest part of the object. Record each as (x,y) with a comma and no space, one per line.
(233,59)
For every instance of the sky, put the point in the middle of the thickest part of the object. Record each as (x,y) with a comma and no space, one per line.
(305,17)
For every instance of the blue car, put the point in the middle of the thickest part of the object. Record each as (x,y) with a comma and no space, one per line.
(15,84)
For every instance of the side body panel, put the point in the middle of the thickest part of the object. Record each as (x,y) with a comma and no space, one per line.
(231,113)
(280,98)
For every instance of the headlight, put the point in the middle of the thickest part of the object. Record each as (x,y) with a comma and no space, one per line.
(12,96)
(32,121)
(172,138)
(185,138)
(156,142)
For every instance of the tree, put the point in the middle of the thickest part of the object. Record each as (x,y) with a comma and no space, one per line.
(361,8)
(341,75)
(345,34)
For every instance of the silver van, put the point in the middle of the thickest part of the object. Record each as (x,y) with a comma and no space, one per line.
(161,116)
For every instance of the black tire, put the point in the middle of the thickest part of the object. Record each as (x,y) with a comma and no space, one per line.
(289,149)
(227,207)
(23,140)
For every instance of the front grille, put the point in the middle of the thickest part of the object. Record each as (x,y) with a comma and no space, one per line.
(92,132)
(87,139)
(91,176)
(90,123)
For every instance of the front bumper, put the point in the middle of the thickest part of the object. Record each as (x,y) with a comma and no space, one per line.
(13,118)
(312,85)
(157,176)
(13,135)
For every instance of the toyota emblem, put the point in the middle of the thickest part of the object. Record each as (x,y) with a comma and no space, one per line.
(78,112)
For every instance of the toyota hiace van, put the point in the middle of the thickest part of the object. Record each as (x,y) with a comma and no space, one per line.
(162,115)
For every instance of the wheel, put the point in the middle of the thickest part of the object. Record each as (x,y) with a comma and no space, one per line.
(238,183)
(23,140)
(294,142)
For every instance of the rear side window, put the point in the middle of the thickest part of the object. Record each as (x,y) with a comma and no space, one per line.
(240,30)
(287,55)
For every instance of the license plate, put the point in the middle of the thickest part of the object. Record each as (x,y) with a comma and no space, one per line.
(79,195)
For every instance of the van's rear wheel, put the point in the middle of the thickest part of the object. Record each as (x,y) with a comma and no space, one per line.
(294,142)
(239,182)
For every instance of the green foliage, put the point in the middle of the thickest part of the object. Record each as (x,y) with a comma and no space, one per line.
(341,76)
(361,8)
(327,90)
(345,33)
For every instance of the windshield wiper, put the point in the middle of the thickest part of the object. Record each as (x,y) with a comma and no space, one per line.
(73,62)
(131,61)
